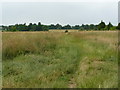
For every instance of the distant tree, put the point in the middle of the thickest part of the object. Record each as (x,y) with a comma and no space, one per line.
(92,27)
(58,26)
(5,28)
(45,28)
(96,27)
(12,28)
(30,27)
(39,23)
(34,27)
(76,27)
(86,27)
(19,27)
(67,27)
(25,27)
(118,27)
(82,27)
(101,26)
(39,27)
(109,26)
(52,26)
(113,28)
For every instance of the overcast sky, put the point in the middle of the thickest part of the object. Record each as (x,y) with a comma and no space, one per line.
(69,12)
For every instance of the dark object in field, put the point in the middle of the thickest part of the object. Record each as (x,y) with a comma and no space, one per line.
(66,31)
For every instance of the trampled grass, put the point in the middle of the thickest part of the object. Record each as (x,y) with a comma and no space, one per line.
(60,60)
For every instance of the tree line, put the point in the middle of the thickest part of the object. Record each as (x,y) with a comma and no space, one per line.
(41,27)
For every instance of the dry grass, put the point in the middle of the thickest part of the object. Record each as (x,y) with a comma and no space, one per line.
(86,59)
(63,30)
(20,43)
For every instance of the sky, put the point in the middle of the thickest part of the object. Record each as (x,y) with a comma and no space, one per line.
(73,12)
(119,12)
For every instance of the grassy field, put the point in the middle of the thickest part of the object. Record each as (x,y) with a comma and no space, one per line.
(59,60)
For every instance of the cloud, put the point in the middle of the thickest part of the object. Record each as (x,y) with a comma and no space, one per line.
(59,0)
(60,12)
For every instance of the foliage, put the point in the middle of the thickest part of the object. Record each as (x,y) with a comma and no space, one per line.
(101,26)
(24,27)
(109,26)
(41,27)
(118,27)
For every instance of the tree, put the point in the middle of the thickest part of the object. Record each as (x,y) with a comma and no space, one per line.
(118,27)
(82,27)
(58,26)
(30,27)
(45,28)
(12,28)
(109,26)
(39,27)
(52,26)
(92,27)
(33,27)
(19,27)
(101,26)
(86,27)
(113,28)
(67,27)
(76,27)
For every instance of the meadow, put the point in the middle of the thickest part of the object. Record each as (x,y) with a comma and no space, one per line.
(85,59)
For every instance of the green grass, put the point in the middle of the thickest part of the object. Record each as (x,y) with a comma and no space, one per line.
(59,60)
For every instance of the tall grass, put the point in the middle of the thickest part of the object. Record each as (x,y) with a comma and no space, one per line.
(59,60)
(99,63)
(49,59)
(15,44)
